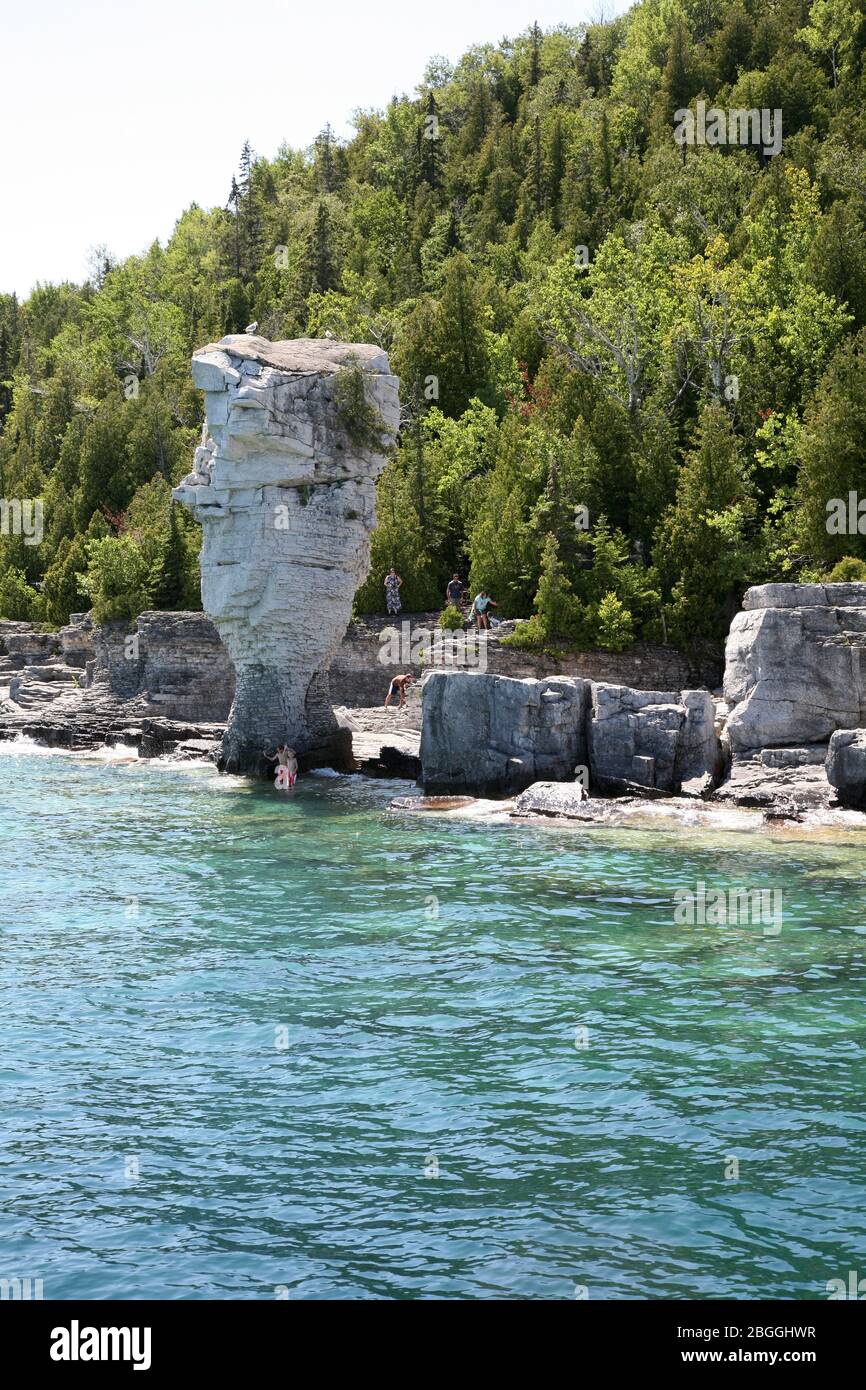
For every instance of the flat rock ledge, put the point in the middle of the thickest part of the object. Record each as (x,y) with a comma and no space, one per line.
(560,804)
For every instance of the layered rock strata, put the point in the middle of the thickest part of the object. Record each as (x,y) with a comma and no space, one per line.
(846,767)
(284,487)
(489,734)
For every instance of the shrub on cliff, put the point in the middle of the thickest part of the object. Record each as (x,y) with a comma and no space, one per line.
(19,601)
(558,613)
(117,579)
(614,624)
(358,416)
(849,570)
(451,619)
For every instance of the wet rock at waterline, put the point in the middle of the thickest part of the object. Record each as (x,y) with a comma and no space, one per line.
(284,485)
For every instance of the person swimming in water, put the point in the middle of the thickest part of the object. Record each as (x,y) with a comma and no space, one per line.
(286,760)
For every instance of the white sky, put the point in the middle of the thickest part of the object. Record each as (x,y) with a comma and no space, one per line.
(117,116)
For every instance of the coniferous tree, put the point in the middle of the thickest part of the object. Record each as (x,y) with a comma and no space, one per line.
(321,250)
(429,138)
(323,160)
(234,205)
(535,55)
(168,572)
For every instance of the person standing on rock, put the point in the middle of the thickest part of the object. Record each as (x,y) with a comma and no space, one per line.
(480,605)
(392,590)
(454,591)
(398,687)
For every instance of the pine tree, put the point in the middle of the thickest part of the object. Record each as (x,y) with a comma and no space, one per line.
(537,174)
(557,167)
(555,604)
(5,373)
(250,221)
(678,84)
(535,55)
(234,205)
(168,572)
(429,141)
(323,160)
(320,250)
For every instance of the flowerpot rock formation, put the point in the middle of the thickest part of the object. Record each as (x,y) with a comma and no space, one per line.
(284,485)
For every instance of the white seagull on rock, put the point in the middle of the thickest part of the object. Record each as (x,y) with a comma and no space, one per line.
(251,327)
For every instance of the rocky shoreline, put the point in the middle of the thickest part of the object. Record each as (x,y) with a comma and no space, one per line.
(161,688)
(784,740)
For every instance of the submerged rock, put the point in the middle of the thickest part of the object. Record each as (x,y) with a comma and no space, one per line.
(284,484)
(566,799)
(433,803)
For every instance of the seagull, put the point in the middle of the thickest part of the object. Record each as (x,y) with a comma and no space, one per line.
(251,327)
(328,333)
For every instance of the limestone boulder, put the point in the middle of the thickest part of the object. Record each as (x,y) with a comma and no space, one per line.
(489,734)
(795,669)
(652,741)
(846,766)
(284,485)
(567,800)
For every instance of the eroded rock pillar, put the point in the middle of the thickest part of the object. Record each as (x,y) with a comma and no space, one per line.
(284,484)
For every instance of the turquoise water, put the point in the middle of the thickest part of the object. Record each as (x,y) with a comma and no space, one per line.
(243,1057)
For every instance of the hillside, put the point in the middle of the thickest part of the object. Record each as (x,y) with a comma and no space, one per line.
(633,367)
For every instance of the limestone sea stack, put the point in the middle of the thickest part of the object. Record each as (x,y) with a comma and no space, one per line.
(284,483)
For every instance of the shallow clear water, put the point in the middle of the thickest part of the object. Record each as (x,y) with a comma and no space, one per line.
(236,1040)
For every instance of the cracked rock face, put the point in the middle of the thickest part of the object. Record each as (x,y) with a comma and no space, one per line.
(661,741)
(795,666)
(489,734)
(284,485)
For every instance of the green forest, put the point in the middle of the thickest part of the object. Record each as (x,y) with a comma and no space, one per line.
(633,369)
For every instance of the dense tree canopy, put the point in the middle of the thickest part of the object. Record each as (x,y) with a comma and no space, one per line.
(632,368)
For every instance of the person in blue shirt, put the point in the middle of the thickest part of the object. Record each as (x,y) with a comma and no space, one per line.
(481,603)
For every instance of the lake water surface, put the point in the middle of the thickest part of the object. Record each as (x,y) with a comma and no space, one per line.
(258,1045)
